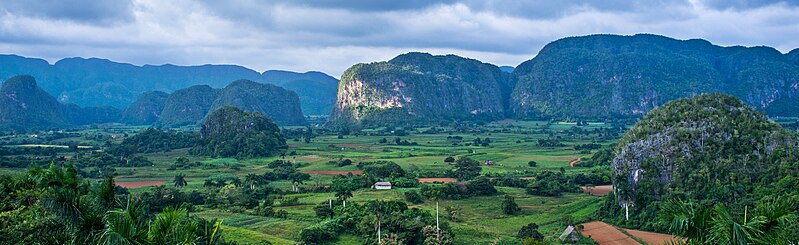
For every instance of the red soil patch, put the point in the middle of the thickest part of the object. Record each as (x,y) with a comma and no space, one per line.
(137,184)
(651,237)
(605,234)
(575,161)
(352,145)
(439,180)
(224,169)
(599,190)
(334,172)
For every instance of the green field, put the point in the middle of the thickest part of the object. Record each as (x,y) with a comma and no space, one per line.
(513,145)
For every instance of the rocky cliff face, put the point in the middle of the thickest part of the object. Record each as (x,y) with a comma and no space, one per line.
(711,148)
(602,76)
(420,87)
(281,105)
(146,109)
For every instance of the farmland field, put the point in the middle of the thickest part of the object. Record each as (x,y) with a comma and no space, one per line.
(512,148)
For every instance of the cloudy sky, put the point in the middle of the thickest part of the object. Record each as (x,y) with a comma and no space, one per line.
(330,36)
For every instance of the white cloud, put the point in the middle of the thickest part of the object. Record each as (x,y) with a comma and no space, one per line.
(332,37)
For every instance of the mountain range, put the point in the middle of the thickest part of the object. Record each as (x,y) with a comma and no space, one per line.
(594,77)
(101,82)
(603,76)
(25,105)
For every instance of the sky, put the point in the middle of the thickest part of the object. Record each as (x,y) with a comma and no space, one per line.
(332,35)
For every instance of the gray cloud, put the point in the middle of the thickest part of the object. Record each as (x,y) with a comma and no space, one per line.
(99,12)
(332,35)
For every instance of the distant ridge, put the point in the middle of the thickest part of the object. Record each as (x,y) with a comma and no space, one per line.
(101,82)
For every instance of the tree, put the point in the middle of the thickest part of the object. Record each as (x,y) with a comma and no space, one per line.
(253,180)
(343,195)
(414,197)
(297,179)
(466,168)
(435,236)
(532,164)
(449,159)
(770,223)
(324,210)
(509,205)
(180,180)
(181,162)
(530,231)
(107,191)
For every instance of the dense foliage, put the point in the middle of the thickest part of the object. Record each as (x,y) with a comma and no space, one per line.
(231,132)
(56,206)
(155,140)
(396,222)
(710,149)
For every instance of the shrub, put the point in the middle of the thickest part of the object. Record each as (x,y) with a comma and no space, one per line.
(530,231)
(323,232)
(414,197)
(509,205)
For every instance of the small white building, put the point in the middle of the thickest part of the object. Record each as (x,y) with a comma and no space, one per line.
(382,186)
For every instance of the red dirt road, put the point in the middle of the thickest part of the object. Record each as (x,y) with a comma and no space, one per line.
(138,184)
(651,237)
(599,190)
(439,180)
(605,234)
(334,172)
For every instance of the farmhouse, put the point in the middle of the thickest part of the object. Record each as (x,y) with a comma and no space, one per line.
(382,186)
(569,234)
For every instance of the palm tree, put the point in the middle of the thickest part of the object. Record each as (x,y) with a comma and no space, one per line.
(768,225)
(180,180)
(124,226)
(344,194)
(297,179)
(252,180)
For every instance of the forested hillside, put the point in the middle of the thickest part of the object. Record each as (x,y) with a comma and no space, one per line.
(607,76)
(709,149)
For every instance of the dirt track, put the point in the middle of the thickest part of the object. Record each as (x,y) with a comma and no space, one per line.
(439,180)
(599,190)
(606,234)
(575,161)
(137,184)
